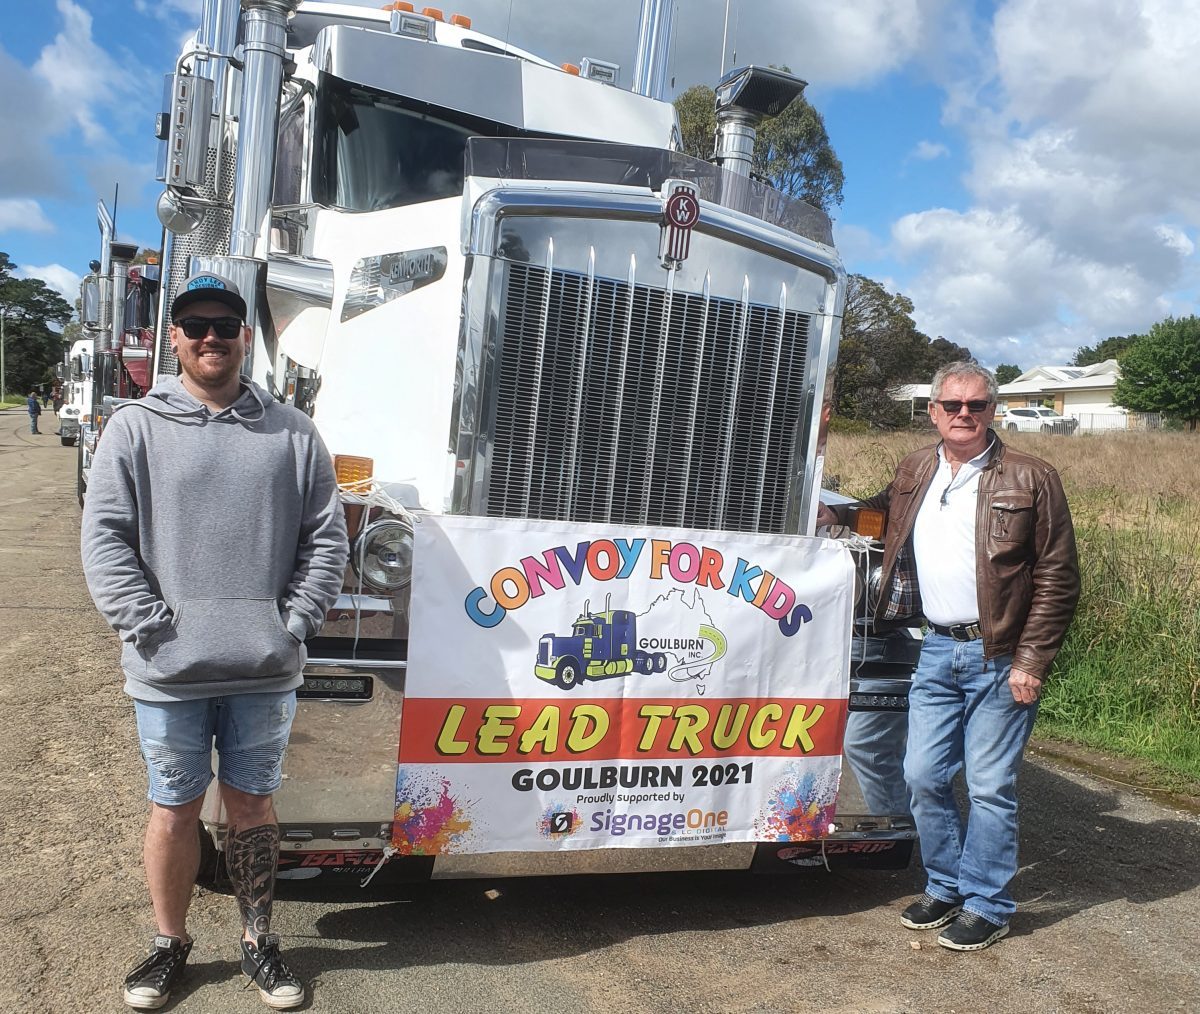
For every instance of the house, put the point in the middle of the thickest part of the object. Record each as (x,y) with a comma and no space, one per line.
(1079,392)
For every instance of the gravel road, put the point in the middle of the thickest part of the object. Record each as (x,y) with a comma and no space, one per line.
(1109,890)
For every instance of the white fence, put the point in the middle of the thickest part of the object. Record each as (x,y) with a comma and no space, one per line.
(1104,422)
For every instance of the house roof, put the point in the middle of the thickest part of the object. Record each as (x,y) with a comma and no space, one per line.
(1065,378)
(909,392)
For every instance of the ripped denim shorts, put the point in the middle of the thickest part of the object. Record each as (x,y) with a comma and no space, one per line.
(250,732)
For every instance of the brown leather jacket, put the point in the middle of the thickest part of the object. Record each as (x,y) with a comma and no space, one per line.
(1027,572)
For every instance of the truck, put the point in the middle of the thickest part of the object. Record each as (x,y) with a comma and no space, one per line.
(503,292)
(114,361)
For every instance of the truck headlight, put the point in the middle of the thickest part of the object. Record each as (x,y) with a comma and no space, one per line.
(382,555)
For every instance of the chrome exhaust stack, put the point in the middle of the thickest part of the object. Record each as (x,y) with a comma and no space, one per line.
(654,47)
(120,256)
(744,97)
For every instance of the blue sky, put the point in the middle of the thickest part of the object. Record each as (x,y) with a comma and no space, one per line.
(1023,170)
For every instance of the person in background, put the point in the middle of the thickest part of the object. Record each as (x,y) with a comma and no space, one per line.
(980,542)
(31,403)
(213,543)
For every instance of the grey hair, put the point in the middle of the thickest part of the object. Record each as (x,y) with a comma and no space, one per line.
(963,369)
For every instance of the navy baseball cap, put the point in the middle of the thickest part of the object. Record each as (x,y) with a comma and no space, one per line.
(206,287)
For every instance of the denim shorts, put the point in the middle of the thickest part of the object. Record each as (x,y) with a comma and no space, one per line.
(250,732)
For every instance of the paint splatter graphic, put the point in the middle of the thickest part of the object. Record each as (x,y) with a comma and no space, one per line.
(801,805)
(428,820)
(559,821)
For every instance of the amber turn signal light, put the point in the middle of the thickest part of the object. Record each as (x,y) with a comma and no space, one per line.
(869,522)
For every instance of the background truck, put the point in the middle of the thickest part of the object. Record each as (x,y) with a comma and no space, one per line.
(500,290)
(115,359)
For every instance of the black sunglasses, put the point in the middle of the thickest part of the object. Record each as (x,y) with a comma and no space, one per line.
(198,327)
(974,407)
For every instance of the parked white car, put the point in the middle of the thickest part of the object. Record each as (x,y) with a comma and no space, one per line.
(1036,420)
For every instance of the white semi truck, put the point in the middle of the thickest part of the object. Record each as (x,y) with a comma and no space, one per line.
(500,290)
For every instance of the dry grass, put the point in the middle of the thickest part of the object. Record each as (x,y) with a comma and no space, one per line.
(1128,677)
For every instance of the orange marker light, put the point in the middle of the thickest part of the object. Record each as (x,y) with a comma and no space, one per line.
(461,20)
(570,68)
(869,522)
(399,6)
(433,12)
(353,472)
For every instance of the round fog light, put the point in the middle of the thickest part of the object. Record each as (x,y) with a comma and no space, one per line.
(382,554)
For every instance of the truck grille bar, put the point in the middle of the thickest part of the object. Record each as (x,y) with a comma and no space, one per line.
(647,405)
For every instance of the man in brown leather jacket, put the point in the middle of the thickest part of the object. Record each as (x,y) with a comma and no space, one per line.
(979,542)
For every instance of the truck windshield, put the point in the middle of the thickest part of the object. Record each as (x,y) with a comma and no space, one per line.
(376,152)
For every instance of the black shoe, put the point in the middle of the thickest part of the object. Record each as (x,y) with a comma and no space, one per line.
(971,932)
(277,986)
(928,912)
(149,985)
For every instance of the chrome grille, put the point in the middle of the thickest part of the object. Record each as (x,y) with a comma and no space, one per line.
(620,402)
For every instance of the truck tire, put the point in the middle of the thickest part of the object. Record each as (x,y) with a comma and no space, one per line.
(569,673)
(660,662)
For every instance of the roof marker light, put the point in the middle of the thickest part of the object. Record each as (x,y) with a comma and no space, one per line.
(433,12)
(570,68)
(461,20)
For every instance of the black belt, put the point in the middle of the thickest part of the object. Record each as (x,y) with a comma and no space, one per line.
(959,631)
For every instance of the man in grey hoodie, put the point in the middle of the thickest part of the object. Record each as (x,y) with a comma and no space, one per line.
(213,543)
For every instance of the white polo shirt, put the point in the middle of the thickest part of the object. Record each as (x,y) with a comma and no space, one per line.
(944,542)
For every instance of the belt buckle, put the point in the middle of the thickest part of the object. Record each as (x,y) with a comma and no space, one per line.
(965,631)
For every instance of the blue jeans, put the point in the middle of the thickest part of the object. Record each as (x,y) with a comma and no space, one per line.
(250,732)
(33,423)
(962,717)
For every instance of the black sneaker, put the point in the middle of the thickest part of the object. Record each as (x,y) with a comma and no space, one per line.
(971,932)
(277,986)
(149,985)
(928,912)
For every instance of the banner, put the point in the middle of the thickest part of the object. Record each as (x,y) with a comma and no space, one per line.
(586,686)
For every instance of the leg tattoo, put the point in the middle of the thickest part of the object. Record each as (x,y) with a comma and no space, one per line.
(251,855)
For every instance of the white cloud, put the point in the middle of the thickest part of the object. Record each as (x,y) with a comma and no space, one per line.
(80,75)
(927,151)
(1083,192)
(23,214)
(62,280)
(164,9)
(857,244)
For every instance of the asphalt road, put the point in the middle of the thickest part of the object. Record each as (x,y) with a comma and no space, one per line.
(1109,887)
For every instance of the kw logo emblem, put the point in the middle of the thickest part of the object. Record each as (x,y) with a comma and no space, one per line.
(681,212)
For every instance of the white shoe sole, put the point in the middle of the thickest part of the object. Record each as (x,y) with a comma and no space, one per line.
(1001,931)
(936,924)
(140,1001)
(281,1002)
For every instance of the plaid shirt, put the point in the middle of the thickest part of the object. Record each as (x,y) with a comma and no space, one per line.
(904,596)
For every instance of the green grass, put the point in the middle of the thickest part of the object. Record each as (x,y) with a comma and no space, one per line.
(1128,677)
(13,401)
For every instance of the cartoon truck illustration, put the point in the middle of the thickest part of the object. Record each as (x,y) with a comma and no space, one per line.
(600,645)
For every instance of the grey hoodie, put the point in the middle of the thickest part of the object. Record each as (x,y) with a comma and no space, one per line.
(212,543)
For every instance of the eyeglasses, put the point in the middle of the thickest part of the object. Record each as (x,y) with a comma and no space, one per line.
(974,407)
(198,327)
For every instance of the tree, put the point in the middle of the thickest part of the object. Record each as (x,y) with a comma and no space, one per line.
(791,150)
(1110,348)
(32,346)
(1160,371)
(1006,373)
(881,347)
